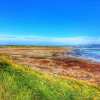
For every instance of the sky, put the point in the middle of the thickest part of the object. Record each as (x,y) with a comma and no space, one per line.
(49,22)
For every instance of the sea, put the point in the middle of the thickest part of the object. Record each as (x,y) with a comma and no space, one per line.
(92,54)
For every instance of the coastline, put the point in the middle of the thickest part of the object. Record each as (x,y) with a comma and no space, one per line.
(51,60)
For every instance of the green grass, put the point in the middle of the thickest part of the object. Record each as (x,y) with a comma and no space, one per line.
(21,83)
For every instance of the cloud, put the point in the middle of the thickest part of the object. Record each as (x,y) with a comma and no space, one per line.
(36,40)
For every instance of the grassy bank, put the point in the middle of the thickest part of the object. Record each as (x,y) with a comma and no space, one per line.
(20,83)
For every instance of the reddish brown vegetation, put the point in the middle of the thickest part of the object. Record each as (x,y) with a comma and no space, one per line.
(45,59)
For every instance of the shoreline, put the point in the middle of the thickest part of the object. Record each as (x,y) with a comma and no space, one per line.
(49,60)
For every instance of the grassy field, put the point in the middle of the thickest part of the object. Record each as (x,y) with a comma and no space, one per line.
(22,83)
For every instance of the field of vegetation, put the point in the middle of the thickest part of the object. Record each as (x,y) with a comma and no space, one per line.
(21,82)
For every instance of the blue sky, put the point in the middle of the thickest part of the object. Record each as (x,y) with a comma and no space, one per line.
(57,22)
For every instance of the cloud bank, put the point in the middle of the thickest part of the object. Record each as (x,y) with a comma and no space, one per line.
(36,40)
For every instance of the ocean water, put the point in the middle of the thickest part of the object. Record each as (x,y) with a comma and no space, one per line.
(87,53)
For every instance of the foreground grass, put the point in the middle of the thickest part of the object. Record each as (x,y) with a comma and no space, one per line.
(20,83)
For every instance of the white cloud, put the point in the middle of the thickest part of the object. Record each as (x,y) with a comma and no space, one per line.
(46,40)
